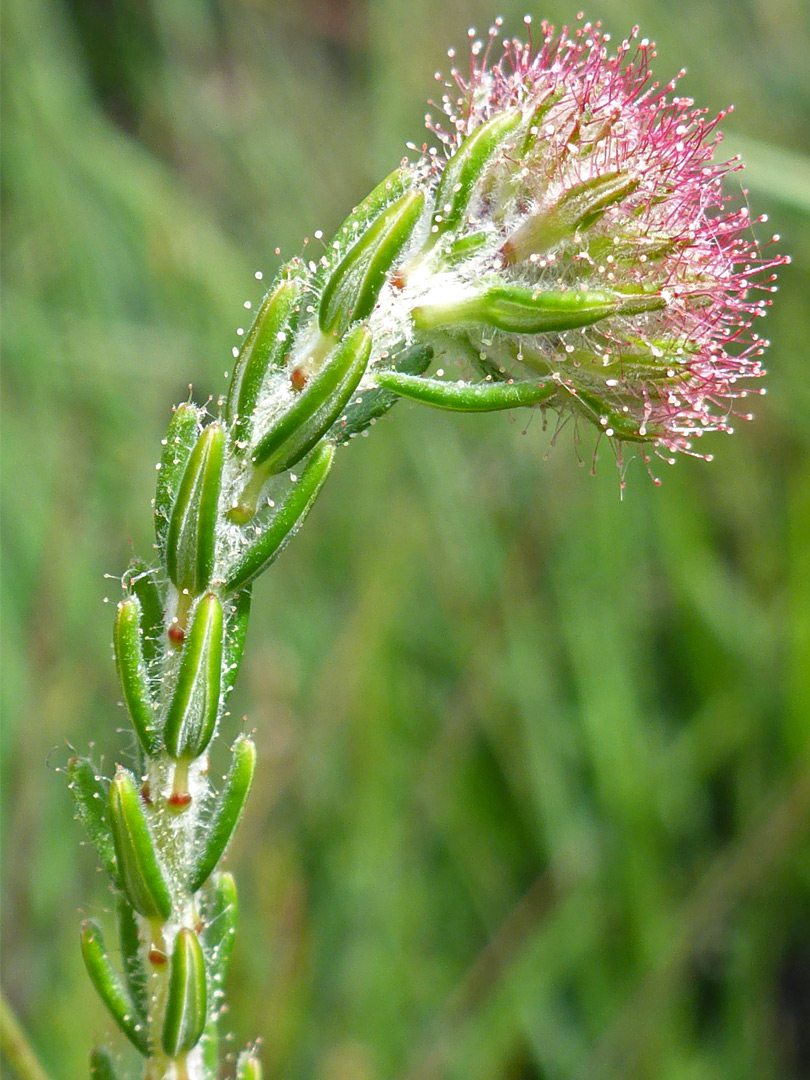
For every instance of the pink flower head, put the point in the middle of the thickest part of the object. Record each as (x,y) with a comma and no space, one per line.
(601,191)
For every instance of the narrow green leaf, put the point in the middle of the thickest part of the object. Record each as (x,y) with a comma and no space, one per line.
(469,397)
(354,286)
(134,970)
(533,311)
(465,169)
(227,812)
(237,612)
(318,405)
(265,348)
(184,428)
(110,988)
(187,999)
(372,404)
(287,519)
(248,1066)
(89,792)
(219,910)
(101,1066)
(190,543)
(133,673)
(141,877)
(192,714)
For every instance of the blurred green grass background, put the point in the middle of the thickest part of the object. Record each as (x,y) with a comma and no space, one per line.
(534,778)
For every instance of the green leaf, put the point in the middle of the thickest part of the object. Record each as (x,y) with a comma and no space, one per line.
(133,673)
(110,988)
(209,1044)
(141,876)
(192,714)
(354,286)
(318,405)
(187,999)
(287,519)
(89,792)
(219,911)
(184,429)
(131,952)
(265,348)
(227,812)
(191,540)
(519,310)
(469,397)
(364,410)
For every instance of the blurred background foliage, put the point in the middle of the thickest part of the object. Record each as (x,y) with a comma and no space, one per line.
(534,780)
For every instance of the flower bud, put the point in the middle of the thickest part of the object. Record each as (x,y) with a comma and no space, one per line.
(141,876)
(584,236)
(132,671)
(110,988)
(288,517)
(226,813)
(353,287)
(318,405)
(191,539)
(466,170)
(192,714)
(184,429)
(265,349)
(187,999)
(533,311)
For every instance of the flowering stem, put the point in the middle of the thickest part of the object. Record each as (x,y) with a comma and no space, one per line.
(575,251)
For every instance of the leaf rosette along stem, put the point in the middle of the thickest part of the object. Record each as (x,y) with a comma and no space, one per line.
(569,247)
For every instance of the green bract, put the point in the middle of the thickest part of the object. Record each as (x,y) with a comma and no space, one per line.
(89,791)
(466,169)
(184,428)
(227,811)
(517,310)
(187,1000)
(110,988)
(133,673)
(316,408)
(265,349)
(141,875)
(191,539)
(285,522)
(352,290)
(469,397)
(194,707)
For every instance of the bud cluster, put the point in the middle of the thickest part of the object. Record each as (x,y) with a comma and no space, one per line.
(573,246)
